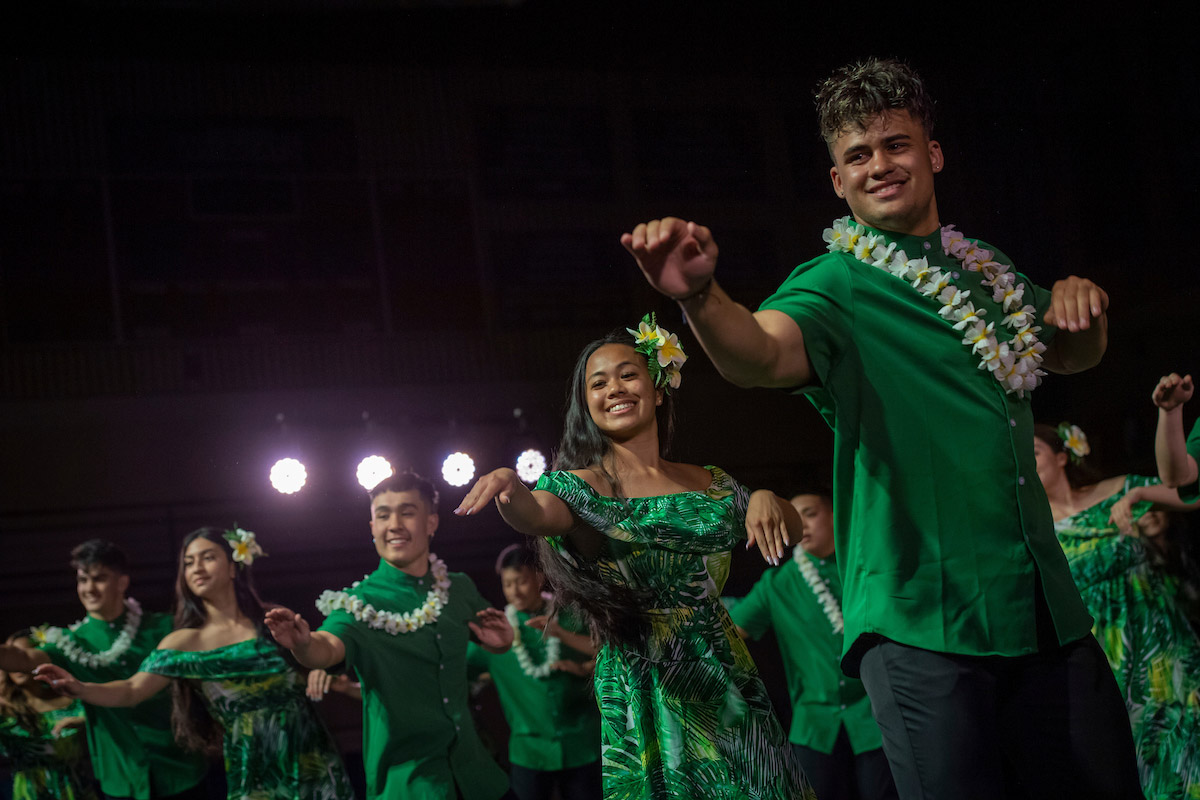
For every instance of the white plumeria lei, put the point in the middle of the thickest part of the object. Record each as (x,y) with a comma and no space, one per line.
(830,604)
(553,648)
(1015,363)
(67,645)
(390,621)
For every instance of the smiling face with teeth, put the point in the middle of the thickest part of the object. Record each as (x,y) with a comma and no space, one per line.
(621,396)
(402,525)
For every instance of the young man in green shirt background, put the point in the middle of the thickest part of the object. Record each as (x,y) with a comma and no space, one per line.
(403,632)
(832,731)
(921,349)
(545,688)
(133,750)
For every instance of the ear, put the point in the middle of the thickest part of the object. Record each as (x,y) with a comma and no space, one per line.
(836,178)
(936,157)
(123,583)
(658,397)
(433,524)
(1061,458)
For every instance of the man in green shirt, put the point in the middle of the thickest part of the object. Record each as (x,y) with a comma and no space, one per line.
(403,631)
(133,751)
(833,734)
(545,690)
(921,349)
(1177,457)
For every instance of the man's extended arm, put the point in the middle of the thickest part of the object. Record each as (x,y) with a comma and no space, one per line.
(678,259)
(313,649)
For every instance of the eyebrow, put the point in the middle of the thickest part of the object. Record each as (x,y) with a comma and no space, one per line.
(602,372)
(895,137)
(401,507)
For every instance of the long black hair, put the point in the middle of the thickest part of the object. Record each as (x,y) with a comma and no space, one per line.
(193,726)
(1079,472)
(610,609)
(15,701)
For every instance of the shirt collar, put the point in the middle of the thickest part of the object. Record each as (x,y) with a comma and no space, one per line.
(913,246)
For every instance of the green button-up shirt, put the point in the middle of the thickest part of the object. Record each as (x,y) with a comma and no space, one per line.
(942,525)
(419,742)
(1191,492)
(554,721)
(823,699)
(133,750)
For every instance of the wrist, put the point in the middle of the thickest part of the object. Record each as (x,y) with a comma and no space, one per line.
(699,294)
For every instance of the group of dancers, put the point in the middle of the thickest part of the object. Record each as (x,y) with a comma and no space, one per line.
(968,614)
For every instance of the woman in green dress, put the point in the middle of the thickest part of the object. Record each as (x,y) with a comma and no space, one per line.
(1145,634)
(41,734)
(232,684)
(641,546)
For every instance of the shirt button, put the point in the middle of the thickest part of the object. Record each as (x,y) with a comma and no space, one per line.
(1021,480)
(843,706)
(438,635)
(841,683)
(954,275)
(1012,423)
(445,699)
(441,666)
(927,245)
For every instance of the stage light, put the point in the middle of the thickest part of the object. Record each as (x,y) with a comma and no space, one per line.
(530,465)
(458,469)
(288,475)
(373,469)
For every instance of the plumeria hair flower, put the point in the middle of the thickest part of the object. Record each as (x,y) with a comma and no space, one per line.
(1074,441)
(245,548)
(664,355)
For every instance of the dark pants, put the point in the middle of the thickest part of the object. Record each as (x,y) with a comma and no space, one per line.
(842,775)
(1048,725)
(577,783)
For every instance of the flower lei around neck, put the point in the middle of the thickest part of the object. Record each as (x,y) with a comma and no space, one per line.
(391,621)
(67,645)
(1016,364)
(829,603)
(553,648)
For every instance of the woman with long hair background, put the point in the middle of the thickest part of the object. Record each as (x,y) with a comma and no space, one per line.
(641,546)
(233,686)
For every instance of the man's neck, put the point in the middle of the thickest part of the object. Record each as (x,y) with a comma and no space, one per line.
(109,614)
(417,568)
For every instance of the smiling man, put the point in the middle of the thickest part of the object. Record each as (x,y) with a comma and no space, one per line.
(134,754)
(403,632)
(921,348)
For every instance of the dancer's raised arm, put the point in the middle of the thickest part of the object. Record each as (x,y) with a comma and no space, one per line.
(531,513)
(313,649)
(114,694)
(765,348)
(1176,467)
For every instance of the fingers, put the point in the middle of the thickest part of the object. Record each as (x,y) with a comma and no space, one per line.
(496,484)
(766,532)
(650,236)
(491,615)
(538,622)
(1074,303)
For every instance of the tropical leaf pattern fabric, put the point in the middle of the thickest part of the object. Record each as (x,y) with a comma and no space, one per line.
(276,747)
(687,715)
(1153,651)
(44,766)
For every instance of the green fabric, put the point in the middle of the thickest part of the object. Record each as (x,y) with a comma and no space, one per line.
(686,715)
(553,721)
(419,741)
(276,747)
(133,751)
(823,699)
(46,767)
(1153,651)
(941,522)
(1190,493)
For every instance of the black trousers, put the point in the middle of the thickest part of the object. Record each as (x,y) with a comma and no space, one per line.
(1049,725)
(842,775)
(576,783)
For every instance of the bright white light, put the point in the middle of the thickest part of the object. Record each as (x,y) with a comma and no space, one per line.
(288,475)
(373,469)
(458,469)
(530,465)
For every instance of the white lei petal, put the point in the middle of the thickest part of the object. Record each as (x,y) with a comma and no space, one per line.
(553,648)
(67,645)
(829,603)
(1016,364)
(392,622)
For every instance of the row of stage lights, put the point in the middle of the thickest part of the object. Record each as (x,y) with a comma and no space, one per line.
(288,475)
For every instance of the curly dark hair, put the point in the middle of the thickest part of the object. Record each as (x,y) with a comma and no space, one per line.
(857,93)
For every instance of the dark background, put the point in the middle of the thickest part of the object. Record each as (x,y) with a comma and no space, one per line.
(235,231)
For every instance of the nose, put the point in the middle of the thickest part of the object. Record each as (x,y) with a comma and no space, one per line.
(881,163)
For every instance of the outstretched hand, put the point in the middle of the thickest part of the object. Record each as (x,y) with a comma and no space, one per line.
(1121,513)
(547,624)
(1074,303)
(288,628)
(58,679)
(678,258)
(491,628)
(1173,391)
(765,526)
(497,484)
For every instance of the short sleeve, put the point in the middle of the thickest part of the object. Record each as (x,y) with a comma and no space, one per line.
(343,625)
(166,663)
(753,612)
(1039,298)
(817,297)
(470,593)
(1190,493)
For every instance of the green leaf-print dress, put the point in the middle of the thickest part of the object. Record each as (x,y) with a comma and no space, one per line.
(276,747)
(687,716)
(1153,652)
(46,767)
